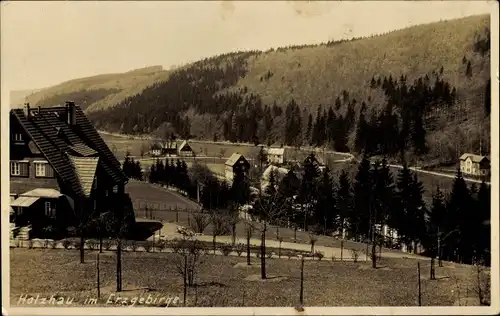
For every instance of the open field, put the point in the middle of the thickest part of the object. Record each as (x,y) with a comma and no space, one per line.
(218,151)
(227,281)
(142,192)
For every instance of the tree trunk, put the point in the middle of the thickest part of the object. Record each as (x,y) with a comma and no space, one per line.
(234,234)
(374,255)
(100,242)
(248,246)
(433,270)
(119,265)
(185,281)
(295,234)
(263,254)
(213,242)
(82,247)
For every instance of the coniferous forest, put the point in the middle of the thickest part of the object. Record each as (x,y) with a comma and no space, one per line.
(431,114)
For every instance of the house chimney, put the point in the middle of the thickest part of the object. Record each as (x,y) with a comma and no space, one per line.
(71,112)
(27,111)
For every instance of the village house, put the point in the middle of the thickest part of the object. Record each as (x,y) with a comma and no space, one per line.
(60,168)
(164,148)
(275,155)
(475,165)
(236,163)
(185,149)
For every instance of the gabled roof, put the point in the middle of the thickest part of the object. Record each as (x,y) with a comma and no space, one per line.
(49,130)
(43,192)
(473,157)
(234,158)
(85,168)
(183,144)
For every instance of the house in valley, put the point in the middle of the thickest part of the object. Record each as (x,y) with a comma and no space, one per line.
(164,148)
(236,163)
(475,165)
(275,155)
(60,168)
(185,149)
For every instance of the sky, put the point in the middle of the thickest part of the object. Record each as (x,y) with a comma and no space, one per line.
(45,43)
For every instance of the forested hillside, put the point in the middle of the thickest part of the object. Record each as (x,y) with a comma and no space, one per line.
(423,90)
(97,92)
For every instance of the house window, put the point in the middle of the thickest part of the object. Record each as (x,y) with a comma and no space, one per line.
(48,209)
(18,137)
(15,168)
(39,169)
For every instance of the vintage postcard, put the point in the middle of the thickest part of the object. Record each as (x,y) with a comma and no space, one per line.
(249,157)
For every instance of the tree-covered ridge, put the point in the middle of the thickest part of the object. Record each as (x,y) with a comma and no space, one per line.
(83,98)
(422,89)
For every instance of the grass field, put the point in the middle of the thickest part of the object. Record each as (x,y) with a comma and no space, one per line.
(227,281)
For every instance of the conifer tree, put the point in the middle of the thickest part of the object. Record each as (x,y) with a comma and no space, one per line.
(325,211)
(362,190)
(344,202)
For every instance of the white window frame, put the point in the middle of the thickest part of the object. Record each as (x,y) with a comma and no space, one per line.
(18,137)
(13,170)
(40,169)
(48,209)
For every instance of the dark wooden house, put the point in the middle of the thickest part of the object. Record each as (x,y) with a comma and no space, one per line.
(236,163)
(61,170)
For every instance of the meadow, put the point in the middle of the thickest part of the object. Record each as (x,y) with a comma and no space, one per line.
(228,281)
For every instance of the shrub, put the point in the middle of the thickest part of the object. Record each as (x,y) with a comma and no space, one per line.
(53,244)
(92,244)
(160,245)
(257,254)
(226,249)
(240,248)
(66,243)
(291,254)
(76,244)
(107,243)
(334,258)
(133,245)
(45,243)
(177,245)
(148,246)
(269,254)
(319,255)
(354,255)
(30,244)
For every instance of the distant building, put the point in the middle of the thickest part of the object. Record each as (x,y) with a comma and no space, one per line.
(167,148)
(475,165)
(275,155)
(156,149)
(234,164)
(59,167)
(185,149)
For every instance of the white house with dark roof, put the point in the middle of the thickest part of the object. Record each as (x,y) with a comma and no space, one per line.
(475,165)
(275,155)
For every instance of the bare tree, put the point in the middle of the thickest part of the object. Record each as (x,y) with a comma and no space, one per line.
(233,219)
(249,231)
(222,152)
(188,260)
(269,207)
(200,222)
(220,225)
(118,220)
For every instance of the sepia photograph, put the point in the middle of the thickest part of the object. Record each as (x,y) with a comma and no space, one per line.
(249,157)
